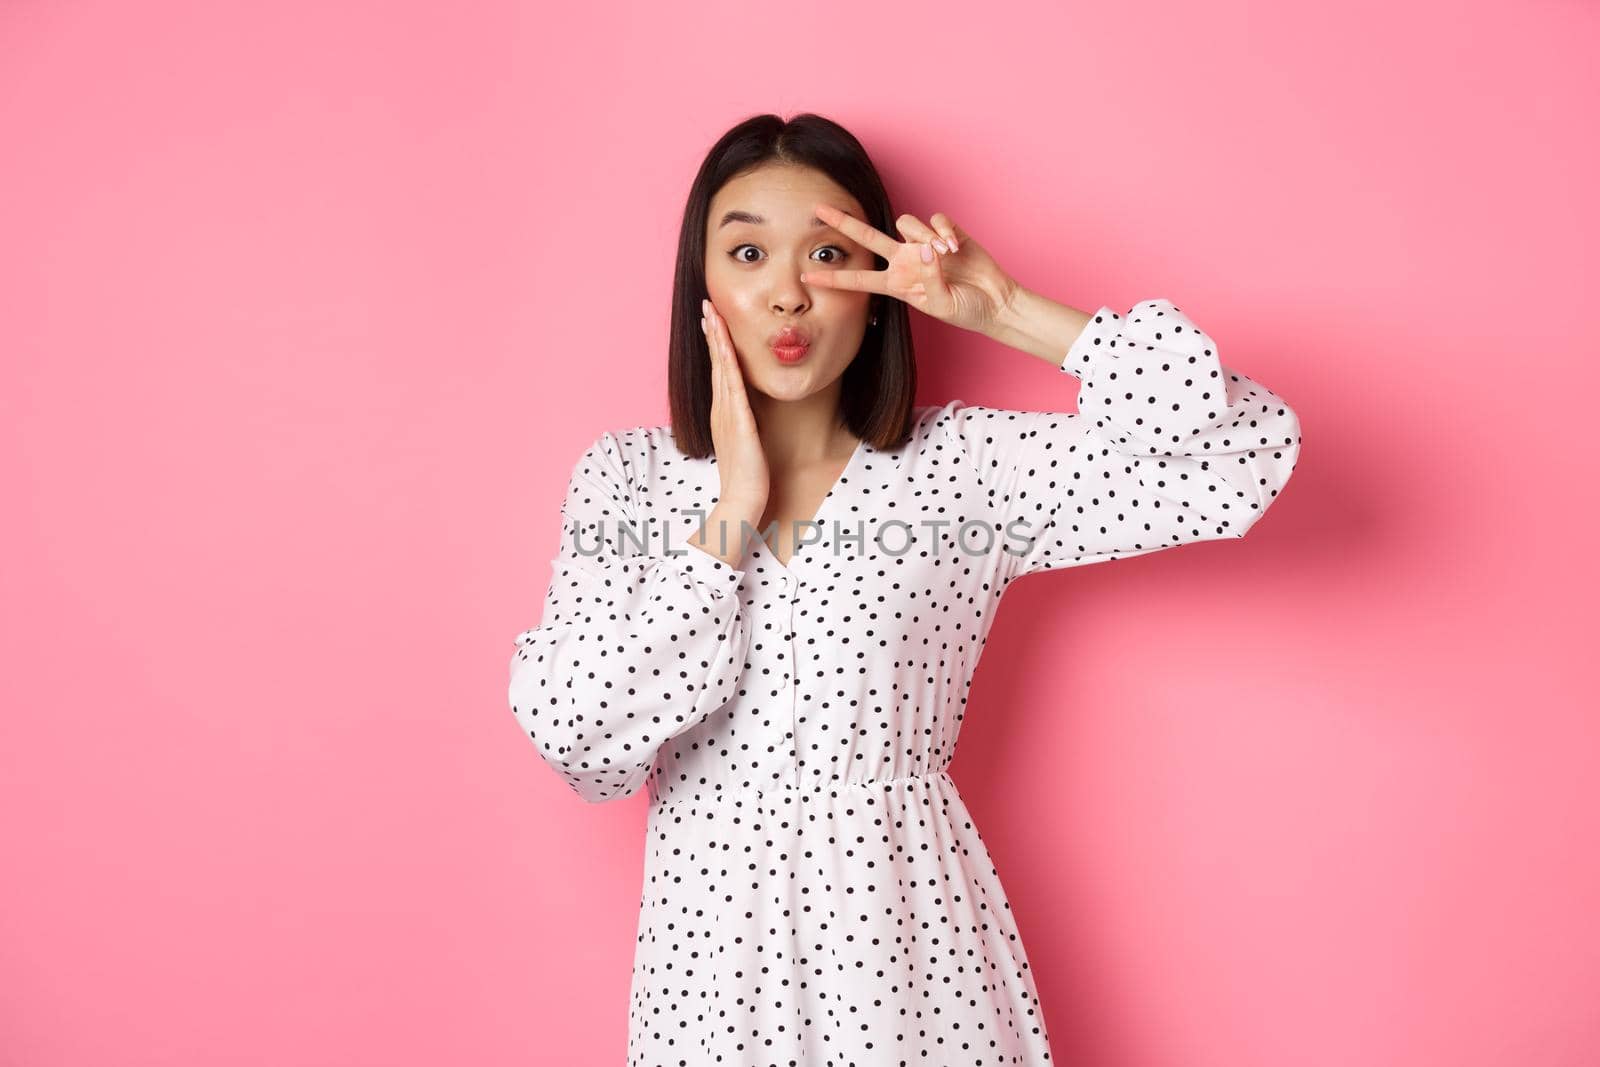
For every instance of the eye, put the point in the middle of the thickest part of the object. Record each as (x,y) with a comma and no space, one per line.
(738,258)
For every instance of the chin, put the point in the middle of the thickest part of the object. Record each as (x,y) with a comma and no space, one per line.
(778,382)
(795,389)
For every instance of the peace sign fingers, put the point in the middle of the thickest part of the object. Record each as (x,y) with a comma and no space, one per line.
(938,269)
(858,231)
(907,274)
(864,281)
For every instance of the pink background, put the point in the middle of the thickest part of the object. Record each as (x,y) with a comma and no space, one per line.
(306,311)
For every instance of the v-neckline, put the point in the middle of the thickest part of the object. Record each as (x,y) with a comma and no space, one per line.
(759,542)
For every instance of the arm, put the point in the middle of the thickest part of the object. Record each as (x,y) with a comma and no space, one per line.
(633,649)
(1168,446)
(1038,325)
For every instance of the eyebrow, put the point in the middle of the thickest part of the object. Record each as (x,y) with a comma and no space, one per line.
(756,220)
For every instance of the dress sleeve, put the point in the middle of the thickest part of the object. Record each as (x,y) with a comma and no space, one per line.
(1168,447)
(634,647)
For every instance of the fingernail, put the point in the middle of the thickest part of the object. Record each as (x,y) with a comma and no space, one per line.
(927,254)
(940,245)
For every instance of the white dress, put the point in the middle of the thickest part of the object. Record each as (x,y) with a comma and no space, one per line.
(815,891)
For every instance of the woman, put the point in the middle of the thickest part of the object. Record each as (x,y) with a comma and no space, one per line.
(769,613)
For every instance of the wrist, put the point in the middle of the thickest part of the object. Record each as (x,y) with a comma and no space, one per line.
(1007,326)
(1022,322)
(725,530)
(737,509)
(1039,326)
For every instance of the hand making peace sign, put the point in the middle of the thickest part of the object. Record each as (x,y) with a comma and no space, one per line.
(939,270)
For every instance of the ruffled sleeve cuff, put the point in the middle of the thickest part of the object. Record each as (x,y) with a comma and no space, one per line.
(1094,343)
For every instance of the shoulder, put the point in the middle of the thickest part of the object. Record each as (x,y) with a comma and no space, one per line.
(935,419)
(630,457)
(628,441)
(603,458)
(963,422)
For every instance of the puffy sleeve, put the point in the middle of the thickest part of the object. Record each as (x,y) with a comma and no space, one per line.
(634,647)
(1168,447)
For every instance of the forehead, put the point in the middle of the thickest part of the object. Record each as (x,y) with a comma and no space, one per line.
(780,196)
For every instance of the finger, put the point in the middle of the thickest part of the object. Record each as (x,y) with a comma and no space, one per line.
(914,229)
(721,354)
(719,337)
(858,231)
(732,373)
(735,376)
(719,363)
(709,318)
(863,281)
(725,352)
(716,366)
(947,229)
(932,272)
(724,406)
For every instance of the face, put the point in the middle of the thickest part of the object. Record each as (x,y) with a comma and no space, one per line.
(753,273)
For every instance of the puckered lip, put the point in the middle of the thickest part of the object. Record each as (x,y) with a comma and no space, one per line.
(789,336)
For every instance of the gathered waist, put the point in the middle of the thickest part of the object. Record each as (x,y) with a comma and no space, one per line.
(802,792)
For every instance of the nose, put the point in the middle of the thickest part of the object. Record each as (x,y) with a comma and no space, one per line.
(789,294)
(789,300)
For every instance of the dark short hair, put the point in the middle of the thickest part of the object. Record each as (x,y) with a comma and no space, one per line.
(879,385)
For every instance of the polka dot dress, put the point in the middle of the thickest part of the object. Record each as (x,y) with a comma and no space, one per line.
(815,890)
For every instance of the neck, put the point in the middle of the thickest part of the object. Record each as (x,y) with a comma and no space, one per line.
(795,433)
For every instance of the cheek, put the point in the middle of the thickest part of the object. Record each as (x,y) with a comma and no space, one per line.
(723,285)
(734,302)
(843,305)
(844,350)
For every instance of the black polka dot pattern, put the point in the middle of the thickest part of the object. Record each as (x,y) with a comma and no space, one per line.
(815,890)
(1168,447)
